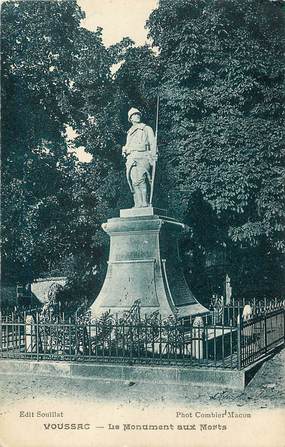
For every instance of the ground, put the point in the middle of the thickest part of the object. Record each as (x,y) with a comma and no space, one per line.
(266,390)
(103,403)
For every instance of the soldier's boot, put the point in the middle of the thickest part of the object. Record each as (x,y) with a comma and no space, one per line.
(143,191)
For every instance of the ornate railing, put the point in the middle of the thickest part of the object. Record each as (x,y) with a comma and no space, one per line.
(227,338)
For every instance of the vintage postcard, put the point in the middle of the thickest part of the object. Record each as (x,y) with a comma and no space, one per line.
(142,274)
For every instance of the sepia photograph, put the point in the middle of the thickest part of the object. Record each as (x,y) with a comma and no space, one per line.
(142,223)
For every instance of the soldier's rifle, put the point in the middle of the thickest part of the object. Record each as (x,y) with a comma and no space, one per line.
(155,153)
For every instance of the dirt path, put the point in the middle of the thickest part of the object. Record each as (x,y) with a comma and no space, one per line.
(203,412)
(266,390)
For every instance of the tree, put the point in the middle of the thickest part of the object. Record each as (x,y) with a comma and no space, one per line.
(54,74)
(222,111)
(37,44)
(39,48)
(220,74)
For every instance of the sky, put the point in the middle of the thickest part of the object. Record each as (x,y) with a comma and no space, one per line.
(118,18)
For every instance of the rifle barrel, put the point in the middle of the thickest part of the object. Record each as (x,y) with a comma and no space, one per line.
(154,163)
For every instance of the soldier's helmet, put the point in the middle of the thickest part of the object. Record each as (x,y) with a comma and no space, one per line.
(132,111)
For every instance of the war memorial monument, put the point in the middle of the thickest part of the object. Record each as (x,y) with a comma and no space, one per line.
(144,262)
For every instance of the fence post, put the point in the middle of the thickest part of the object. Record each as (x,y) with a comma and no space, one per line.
(37,334)
(29,333)
(239,347)
(197,338)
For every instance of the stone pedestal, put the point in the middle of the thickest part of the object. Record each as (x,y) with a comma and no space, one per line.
(144,265)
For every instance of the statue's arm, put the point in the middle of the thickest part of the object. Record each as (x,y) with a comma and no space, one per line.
(125,150)
(151,141)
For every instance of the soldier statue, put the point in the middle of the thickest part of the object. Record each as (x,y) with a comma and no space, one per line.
(140,154)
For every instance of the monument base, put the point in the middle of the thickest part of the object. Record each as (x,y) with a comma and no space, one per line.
(144,265)
(145,211)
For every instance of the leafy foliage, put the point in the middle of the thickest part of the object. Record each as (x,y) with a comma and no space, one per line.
(37,43)
(219,69)
(52,206)
(222,109)
(223,87)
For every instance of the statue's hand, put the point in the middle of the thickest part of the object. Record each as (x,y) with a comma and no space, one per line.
(126,150)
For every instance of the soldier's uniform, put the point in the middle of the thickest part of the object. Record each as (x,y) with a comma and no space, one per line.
(140,153)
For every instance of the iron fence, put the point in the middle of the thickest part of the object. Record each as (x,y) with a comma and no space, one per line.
(224,340)
(145,342)
(260,335)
